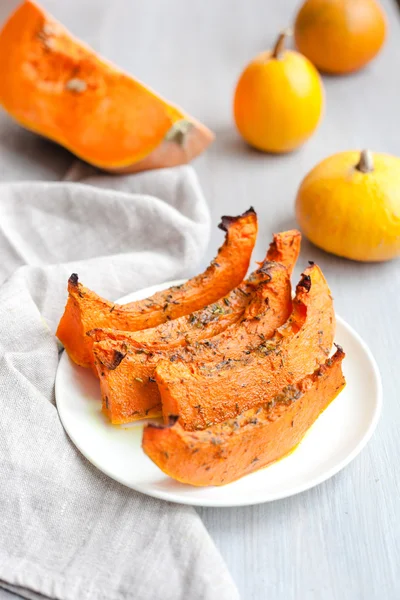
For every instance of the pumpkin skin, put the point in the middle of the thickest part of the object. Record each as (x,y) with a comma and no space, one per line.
(260,436)
(56,86)
(340,36)
(202,397)
(85,310)
(278,101)
(351,213)
(129,390)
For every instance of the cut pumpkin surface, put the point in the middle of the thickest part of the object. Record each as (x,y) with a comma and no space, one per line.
(60,88)
(85,310)
(216,317)
(256,438)
(202,395)
(126,372)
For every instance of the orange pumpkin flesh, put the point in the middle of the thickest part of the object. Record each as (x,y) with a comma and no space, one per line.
(203,396)
(85,310)
(126,372)
(58,87)
(227,451)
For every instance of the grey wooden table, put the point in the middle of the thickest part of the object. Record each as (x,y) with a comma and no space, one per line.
(341,540)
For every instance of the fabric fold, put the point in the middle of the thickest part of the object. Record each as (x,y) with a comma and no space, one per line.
(67,531)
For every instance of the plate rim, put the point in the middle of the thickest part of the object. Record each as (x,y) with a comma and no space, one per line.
(170,496)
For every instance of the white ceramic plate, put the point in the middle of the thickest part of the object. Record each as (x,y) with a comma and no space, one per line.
(333,441)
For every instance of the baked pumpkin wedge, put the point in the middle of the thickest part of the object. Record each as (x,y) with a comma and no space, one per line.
(54,85)
(202,394)
(212,319)
(189,329)
(126,372)
(254,439)
(85,310)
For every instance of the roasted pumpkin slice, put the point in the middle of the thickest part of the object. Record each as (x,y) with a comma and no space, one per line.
(85,310)
(189,329)
(202,394)
(212,319)
(60,88)
(126,372)
(254,439)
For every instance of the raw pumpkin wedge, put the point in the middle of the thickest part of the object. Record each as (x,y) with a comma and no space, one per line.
(212,319)
(254,439)
(202,395)
(60,88)
(126,372)
(85,310)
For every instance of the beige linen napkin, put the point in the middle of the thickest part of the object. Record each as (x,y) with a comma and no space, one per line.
(68,532)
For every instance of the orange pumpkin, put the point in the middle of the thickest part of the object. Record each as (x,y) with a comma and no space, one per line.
(54,85)
(340,36)
(279,100)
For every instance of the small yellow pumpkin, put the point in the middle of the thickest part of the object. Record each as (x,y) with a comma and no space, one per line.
(349,205)
(279,100)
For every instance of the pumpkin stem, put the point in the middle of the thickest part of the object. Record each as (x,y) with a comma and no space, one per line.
(366,163)
(280,43)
